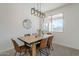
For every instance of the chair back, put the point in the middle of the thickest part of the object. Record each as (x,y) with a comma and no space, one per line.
(43,43)
(16,46)
(49,33)
(27,35)
(49,42)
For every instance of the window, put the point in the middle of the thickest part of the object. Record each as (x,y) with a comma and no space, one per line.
(54,23)
(57,22)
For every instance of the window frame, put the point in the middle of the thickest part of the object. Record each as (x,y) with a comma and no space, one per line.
(50,17)
(63,22)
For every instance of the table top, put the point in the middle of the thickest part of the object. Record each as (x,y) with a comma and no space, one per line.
(32,38)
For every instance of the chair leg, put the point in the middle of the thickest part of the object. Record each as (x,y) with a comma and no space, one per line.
(25,51)
(30,52)
(15,53)
(20,53)
(52,47)
(47,51)
(40,52)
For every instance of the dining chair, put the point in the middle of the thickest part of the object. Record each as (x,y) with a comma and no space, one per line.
(49,42)
(27,35)
(20,49)
(49,33)
(43,47)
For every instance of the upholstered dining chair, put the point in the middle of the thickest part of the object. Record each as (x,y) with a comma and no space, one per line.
(43,47)
(49,42)
(19,49)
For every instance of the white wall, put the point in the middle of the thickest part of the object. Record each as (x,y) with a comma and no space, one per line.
(70,36)
(11,17)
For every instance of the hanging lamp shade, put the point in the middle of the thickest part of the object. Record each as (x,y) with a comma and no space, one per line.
(32,10)
(37,12)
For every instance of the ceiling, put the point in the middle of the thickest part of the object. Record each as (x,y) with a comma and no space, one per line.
(43,6)
(48,6)
(51,6)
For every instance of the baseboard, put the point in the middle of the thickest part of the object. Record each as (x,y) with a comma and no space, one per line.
(66,46)
(1,51)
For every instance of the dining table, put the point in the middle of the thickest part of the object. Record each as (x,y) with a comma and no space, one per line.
(32,40)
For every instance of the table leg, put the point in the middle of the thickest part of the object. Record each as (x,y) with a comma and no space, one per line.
(33,49)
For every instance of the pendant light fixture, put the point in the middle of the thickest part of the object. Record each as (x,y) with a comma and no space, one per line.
(37,11)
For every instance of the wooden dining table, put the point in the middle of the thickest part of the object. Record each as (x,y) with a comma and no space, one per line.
(32,40)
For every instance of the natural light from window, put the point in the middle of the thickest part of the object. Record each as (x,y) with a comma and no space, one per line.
(54,23)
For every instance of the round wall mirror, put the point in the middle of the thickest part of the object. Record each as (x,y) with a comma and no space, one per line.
(27,23)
